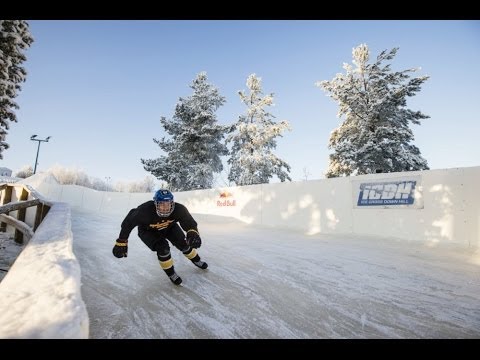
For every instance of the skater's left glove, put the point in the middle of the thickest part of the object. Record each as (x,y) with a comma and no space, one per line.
(193,238)
(120,249)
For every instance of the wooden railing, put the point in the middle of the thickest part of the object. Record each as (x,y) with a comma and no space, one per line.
(22,193)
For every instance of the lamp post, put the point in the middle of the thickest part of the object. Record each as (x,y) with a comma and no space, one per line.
(33,138)
(107,180)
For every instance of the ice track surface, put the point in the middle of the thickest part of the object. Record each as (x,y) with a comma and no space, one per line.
(267,283)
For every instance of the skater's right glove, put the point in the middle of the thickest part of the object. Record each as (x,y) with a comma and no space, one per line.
(121,248)
(193,238)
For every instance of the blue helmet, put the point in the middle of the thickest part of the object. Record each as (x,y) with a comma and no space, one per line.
(164,203)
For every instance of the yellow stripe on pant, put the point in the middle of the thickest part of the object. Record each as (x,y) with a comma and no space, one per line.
(166,264)
(191,254)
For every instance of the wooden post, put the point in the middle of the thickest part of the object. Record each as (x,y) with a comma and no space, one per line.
(38,216)
(21,216)
(45,210)
(42,211)
(5,200)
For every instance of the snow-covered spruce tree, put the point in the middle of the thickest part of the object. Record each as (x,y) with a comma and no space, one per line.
(196,144)
(253,137)
(14,39)
(375,135)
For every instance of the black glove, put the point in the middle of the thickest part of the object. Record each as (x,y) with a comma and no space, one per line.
(121,248)
(193,239)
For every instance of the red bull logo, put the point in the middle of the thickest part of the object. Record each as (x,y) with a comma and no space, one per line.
(226,202)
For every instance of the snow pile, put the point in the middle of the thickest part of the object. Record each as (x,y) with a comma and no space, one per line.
(40,295)
(38,179)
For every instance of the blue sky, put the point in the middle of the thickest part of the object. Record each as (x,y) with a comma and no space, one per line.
(99,88)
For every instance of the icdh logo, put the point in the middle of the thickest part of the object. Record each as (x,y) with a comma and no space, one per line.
(387,193)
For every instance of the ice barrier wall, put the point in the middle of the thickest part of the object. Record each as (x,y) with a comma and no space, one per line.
(434,206)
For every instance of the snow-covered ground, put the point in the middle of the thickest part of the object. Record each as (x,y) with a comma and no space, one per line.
(268,283)
(9,251)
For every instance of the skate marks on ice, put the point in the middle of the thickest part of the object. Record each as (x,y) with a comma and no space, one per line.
(265,283)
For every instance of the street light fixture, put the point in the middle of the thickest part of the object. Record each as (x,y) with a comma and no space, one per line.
(33,138)
(107,179)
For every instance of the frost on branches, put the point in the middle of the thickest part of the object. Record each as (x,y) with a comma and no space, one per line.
(253,137)
(196,144)
(14,39)
(375,135)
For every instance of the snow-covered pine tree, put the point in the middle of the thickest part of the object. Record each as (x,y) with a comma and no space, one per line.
(14,39)
(196,144)
(375,135)
(253,136)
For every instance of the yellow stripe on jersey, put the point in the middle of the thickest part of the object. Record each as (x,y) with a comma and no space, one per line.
(191,254)
(161,225)
(166,264)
